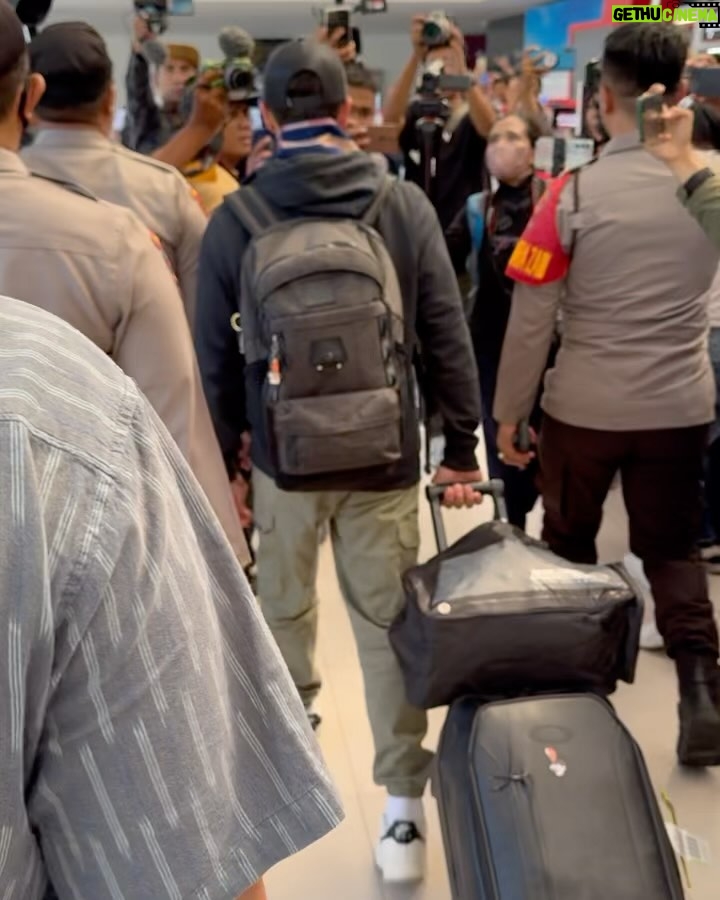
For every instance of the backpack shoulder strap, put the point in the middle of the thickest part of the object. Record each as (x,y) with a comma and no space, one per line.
(372,213)
(252,210)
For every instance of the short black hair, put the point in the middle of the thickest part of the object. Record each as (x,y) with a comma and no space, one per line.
(640,54)
(305,86)
(80,114)
(11,82)
(359,76)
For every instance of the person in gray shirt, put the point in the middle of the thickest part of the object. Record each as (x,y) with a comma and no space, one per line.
(632,389)
(153,744)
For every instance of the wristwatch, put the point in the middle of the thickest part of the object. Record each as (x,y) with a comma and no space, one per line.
(695,181)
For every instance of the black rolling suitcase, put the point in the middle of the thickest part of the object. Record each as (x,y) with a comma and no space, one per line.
(548,798)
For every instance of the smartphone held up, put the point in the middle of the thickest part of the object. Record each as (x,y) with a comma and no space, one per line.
(650,122)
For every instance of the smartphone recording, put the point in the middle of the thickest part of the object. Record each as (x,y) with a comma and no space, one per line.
(649,116)
(705,82)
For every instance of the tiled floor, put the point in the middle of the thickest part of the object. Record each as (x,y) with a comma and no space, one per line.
(341,866)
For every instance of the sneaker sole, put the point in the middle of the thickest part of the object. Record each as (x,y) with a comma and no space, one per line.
(397,877)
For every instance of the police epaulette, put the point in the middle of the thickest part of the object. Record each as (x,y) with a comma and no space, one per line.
(157,164)
(68,185)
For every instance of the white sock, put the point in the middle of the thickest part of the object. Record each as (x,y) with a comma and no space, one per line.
(405,809)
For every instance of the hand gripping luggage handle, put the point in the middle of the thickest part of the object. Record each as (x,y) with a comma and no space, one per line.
(435,493)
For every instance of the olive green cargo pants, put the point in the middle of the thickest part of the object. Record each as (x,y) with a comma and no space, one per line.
(375,538)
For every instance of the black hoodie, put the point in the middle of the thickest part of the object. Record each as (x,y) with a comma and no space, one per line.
(342,185)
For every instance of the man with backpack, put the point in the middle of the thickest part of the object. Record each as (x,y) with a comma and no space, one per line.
(331,273)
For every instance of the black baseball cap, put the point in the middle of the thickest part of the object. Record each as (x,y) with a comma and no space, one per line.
(74,61)
(12,38)
(295,58)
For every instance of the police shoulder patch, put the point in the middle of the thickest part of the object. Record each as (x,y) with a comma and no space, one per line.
(68,185)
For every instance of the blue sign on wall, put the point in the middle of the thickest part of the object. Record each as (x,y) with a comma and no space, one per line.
(548,27)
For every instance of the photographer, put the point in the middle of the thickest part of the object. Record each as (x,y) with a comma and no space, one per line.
(151,125)
(214,145)
(461,142)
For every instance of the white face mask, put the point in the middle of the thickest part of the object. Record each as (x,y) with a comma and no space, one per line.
(508,162)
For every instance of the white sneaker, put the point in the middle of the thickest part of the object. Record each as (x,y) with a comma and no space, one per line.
(650,637)
(401,853)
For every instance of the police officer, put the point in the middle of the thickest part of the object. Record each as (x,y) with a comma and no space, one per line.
(632,390)
(94,265)
(74,120)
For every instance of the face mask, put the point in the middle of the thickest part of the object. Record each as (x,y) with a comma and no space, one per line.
(506,161)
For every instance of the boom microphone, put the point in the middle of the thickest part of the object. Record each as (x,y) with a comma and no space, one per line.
(236,43)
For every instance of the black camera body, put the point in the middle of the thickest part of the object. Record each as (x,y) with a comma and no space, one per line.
(31,12)
(430,104)
(155,13)
(238,78)
(436,31)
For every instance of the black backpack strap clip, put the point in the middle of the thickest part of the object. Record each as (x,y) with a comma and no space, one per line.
(252,209)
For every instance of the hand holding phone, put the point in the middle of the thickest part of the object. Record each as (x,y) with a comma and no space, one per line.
(337,23)
(649,111)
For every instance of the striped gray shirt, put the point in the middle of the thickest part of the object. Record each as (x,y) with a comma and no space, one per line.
(152,743)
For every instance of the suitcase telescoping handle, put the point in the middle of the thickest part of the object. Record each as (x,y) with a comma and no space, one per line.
(435,493)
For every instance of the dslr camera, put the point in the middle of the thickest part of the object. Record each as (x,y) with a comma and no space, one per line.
(436,31)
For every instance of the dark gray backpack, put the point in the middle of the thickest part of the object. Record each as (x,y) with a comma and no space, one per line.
(321,305)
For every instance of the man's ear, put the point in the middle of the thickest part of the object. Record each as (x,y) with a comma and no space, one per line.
(269,119)
(32,94)
(110,101)
(608,103)
(343,116)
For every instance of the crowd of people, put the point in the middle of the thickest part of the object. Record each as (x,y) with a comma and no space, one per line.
(293,306)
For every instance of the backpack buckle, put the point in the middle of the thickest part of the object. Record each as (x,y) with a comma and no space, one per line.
(328,353)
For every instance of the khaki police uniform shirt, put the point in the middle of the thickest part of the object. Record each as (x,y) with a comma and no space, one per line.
(157,193)
(634,307)
(94,265)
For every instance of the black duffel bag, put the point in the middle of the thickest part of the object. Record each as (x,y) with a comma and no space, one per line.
(498,615)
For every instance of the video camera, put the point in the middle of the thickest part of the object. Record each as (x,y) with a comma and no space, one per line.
(239,77)
(430,104)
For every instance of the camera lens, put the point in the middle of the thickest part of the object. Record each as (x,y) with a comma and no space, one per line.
(237,79)
(432,31)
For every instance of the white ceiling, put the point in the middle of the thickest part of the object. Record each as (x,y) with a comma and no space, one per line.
(288,18)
